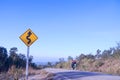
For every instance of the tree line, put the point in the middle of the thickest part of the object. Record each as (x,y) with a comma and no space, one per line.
(96,60)
(113,52)
(12,58)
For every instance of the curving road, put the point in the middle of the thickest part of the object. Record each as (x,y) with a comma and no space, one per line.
(62,74)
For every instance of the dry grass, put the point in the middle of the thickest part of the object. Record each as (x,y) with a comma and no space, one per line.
(19,74)
(110,66)
(12,74)
(47,75)
(40,75)
(16,73)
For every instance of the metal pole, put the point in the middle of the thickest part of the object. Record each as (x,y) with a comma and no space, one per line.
(27,63)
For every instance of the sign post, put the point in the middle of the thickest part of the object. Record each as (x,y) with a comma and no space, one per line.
(28,38)
(27,62)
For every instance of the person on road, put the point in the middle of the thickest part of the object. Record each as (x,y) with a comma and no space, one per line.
(73,65)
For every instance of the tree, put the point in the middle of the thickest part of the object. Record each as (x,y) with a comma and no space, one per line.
(13,58)
(18,60)
(98,55)
(49,64)
(22,60)
(90,56)
(70,58)
(30,60)
(3,58)
(13,50)
(106,54)
(116,51)
(82,56)
(61,60)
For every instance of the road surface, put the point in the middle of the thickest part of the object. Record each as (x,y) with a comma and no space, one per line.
(62,74)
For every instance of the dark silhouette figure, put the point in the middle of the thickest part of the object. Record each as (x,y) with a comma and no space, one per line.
(73,65)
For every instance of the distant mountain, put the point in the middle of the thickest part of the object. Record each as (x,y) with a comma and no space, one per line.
(43,63)
(45,60)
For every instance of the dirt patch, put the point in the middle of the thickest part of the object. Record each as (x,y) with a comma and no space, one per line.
(40,75)
(47,75)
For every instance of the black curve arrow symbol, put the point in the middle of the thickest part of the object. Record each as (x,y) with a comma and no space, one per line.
(28,37)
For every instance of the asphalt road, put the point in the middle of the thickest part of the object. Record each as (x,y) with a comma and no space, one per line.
(62,74)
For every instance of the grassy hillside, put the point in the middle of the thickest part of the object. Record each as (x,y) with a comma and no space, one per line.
(107,61)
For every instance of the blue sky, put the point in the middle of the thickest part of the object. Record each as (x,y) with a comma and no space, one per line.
(63,27)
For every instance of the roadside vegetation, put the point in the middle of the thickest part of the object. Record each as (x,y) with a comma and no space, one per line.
(107,61)
(12,64)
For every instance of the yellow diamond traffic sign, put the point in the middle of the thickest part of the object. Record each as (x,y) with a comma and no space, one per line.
(28,37)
